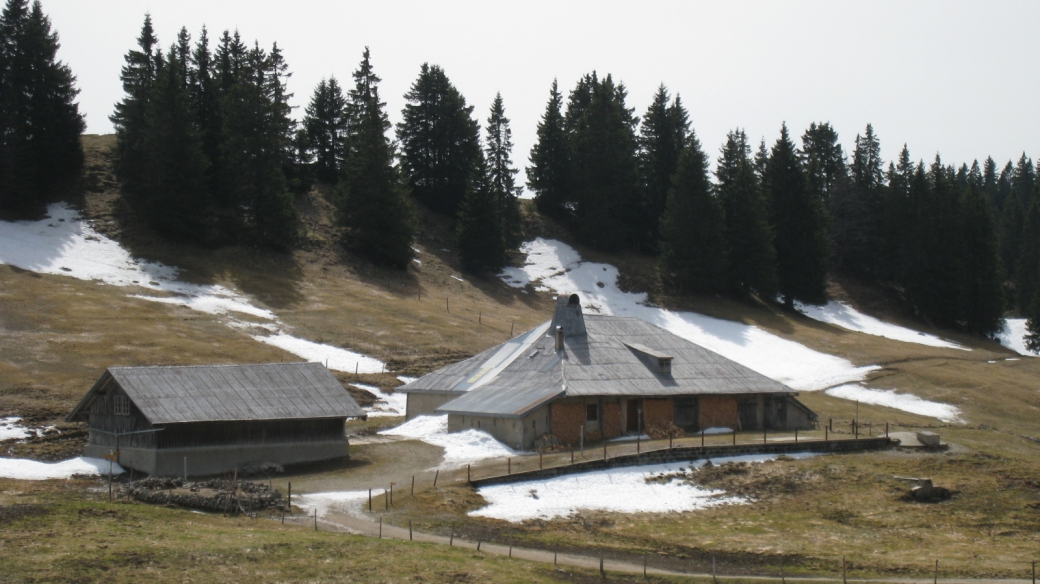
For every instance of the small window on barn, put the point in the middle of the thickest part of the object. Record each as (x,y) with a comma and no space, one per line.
(592,413)
(121,405)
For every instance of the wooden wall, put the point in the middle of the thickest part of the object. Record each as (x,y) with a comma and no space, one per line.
(718,411)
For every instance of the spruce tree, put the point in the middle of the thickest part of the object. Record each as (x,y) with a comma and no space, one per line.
(40,123)
(326,124)
(935,283)
(440,140)
(751,259)
(799,227)
(662,137)
(172,196)
(692,241)
(547,175)
(1033,324)
(605,175)
(131,114)
(1011,228)
(1027,272)
(499,148)
(898,222)
(375,207)
(482,245)
(982,296)
(859,213)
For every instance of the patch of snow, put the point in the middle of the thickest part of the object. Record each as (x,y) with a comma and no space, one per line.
(32,470)
(406,379)
(65,245)
(619,490)
(416,260)
(460,448)
(849,318)
(457,278)
(346,501)
(10,429)
(630,438)
(716,430)
(901,401)
(1013,336)
(386,404)
(338,359)
(552,265)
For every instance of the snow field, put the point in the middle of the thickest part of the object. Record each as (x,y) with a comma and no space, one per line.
(901,401)
(619,490)
(31,470)
(460,448)
(849,318)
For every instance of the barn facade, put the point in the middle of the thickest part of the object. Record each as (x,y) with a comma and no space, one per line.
(204,420)
(600,377)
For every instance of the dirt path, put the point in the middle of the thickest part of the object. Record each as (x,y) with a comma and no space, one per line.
(347,523)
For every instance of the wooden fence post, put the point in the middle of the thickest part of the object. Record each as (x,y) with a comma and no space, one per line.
(412,493)
(386,501)
(702,438)
(370,500)
(844,578)
(936,579)
(638,440)
(315,519)
(539,461)
(509,466)
(796,435)
(380,527)
(763,433)
(734,437)
(409,530)
(467,473)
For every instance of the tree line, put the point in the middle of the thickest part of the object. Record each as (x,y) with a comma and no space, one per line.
(958,245)
(207,150)
(40,123)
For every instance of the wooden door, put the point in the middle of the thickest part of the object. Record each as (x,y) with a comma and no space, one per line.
(635,411)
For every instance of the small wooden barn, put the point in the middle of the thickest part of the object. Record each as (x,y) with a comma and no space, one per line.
(600,377)
(203,420)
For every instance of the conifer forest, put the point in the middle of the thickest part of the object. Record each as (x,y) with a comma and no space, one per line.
(209,152)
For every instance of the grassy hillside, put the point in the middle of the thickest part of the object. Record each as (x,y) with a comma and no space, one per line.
(57,334)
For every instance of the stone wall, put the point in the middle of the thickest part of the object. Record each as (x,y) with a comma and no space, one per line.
(718,411)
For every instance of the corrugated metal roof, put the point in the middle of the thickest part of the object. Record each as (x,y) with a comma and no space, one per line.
(220,393)
(595,364)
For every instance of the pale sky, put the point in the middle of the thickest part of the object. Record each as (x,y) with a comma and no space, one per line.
(961,78)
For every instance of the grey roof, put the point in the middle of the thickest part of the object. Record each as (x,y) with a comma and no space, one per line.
(602,362)
(220,393)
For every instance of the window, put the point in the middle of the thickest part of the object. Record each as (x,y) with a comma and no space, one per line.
(591,413)
(121,406)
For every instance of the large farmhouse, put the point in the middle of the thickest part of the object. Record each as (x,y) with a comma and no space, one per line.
(169,421)
(605,376)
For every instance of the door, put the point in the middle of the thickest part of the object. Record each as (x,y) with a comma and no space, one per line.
(747,415)
(686,414)
(635,415)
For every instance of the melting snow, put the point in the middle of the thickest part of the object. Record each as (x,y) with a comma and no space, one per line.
(10,429)
(460,448)
(31,470)
(1013,336)
(621,490)
(65,245)
(552,265)
(348,501)
(900,401)
(847,317)
(387,404)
